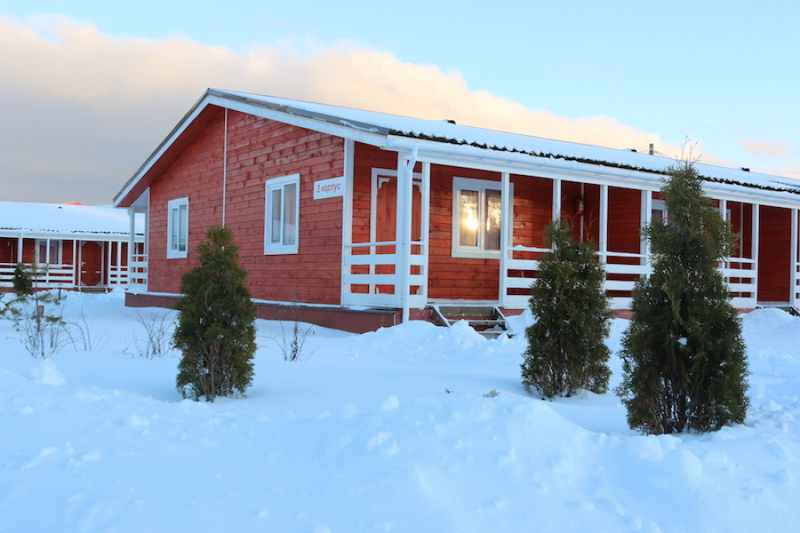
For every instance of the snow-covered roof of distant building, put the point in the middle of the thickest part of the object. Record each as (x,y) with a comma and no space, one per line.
(66,219)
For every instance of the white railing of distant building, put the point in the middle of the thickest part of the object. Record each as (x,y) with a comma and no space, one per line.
(46,277)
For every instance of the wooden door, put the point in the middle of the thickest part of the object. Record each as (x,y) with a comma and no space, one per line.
(91,263)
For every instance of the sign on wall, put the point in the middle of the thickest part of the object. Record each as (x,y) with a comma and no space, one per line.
(330,188)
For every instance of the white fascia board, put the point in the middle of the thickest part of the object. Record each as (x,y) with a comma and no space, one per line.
(554,168)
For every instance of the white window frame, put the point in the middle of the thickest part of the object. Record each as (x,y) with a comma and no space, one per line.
(270,186)
(174,250)
(481,186)
(48,259)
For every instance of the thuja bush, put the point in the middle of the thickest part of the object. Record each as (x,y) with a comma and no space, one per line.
(216,322)
(683,357)
(566,345)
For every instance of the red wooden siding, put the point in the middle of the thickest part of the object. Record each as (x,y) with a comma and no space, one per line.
(624,220)
(533,208)
(774,254)
(742,225)
(585,224)
(258,149)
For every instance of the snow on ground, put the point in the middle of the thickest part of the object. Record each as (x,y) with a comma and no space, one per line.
(396,430)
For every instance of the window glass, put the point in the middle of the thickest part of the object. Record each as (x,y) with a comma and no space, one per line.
(493,210)
(470,223)
(658,214)
(48,252)
(290,209)
(277,213)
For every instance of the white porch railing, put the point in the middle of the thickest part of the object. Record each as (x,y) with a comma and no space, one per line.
(741,275)
(137,272)
(371,277)
(622,272)
(49,276)
(117,275)
(796,285)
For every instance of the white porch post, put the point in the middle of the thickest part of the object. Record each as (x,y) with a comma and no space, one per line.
(603,233)
(120,272)
(405,184)
(20,243)
(646,219)
(506,231)
(723,212)
(756,238)
(347,216)
(556,209)
(132,242)
(793,262)
(425,210)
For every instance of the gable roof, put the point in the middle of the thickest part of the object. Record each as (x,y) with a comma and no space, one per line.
(435,139)
(65,219)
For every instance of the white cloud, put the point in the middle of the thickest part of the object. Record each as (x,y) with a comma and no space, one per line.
(83,110)
(769,148)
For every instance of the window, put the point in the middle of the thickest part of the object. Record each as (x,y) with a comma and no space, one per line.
(282,215)
(178,228)
(47,252)
(658,213)
(477,215)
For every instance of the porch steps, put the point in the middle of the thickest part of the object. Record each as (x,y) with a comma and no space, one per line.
(794,311)
(488,320)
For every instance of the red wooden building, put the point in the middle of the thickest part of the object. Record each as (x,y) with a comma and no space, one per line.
(367,219)
(73,246)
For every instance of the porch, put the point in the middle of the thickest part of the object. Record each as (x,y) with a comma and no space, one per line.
(433,251)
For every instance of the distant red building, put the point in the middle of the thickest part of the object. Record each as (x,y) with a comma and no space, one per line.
(74,246)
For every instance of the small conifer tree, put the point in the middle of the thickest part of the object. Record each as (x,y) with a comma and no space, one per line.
(683,356)
(22,281)
(216,326)
(566,349)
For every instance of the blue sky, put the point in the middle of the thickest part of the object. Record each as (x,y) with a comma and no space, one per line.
(101,83)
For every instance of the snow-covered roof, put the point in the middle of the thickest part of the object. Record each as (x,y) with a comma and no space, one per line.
(459,144)
(445,131)
(65,219)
